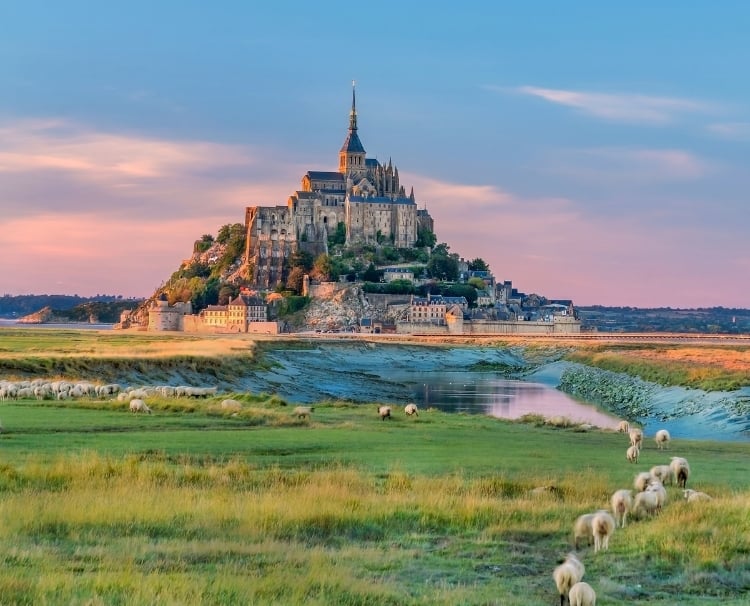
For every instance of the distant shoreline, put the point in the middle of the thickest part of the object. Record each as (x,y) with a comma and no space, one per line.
(14,323)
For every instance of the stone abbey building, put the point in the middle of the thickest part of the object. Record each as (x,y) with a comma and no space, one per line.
(363,195)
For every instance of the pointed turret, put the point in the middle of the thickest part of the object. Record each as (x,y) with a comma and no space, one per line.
(352,154)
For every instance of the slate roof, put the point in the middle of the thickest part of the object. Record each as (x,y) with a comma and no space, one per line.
(325,175)
(353,144)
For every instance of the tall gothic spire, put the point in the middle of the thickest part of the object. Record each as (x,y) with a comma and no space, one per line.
(352,144)
(353,113)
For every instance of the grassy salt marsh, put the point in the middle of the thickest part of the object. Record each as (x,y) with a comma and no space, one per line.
(194,505)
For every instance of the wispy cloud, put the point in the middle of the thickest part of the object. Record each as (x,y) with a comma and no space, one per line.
(739,131)
(89,211)
(35,145)
(613,164)
(621,107)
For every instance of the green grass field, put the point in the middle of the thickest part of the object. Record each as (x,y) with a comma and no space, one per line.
(191,505)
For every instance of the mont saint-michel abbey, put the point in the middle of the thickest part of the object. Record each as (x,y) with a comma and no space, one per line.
(364,195)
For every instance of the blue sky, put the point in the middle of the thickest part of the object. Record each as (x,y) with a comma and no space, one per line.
(592,151)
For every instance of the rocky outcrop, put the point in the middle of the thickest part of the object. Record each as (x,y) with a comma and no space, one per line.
(340,309)
(42,316)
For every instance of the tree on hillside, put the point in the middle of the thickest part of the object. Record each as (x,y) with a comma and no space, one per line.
(425,238)
(322,269)
(203,244)
(478,264)
(477,283)
(227,292)
(294,280)
(303,259)
(461,290)
(338,237)
(371,274)
(443,265)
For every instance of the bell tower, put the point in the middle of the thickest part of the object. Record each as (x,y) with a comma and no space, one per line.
(352,154)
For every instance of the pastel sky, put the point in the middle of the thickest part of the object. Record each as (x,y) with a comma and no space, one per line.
(594,151)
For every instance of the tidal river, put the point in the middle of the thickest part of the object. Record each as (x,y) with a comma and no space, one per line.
(429,376)
(447,378)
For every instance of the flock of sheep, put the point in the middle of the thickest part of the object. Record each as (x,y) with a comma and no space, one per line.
(136,397)
(63,390)
(599,526)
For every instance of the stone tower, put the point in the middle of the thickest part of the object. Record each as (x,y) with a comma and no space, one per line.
(352,154)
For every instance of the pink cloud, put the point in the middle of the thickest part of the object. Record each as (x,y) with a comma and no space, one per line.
(89,212)
(552,247)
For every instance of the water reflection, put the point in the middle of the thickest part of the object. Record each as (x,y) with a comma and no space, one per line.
(506,399)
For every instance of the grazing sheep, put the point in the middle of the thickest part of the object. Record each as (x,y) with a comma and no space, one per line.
(642,480)
(622,503)
(384,412)
(657,487)
(302,412)
(568,574)
(662,439)
(623,427)
(603,527)
(411,409)
(582,594)
(139,406)
(680,471)
(230,404)
(636,437)
(663,473)
(645,503)
(632,454)
(695,495)
(583,529)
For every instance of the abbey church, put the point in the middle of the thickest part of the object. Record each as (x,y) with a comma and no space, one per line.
(363,195)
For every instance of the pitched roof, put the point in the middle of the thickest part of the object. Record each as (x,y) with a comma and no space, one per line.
(352,143)
(325,175)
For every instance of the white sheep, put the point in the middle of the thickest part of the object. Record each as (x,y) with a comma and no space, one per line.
(384,412)
(622,504)
(411,409)
(24,393)
(623,427)
(646,502)
(603,527)
(632,454)
(582,594)
(680,471)
(657,487)
(230,404)
(663,473)
(662,439)
(138,405)
(642,480)
(583,529)
(567,574)
(636,437)
(695,495)
(302,412)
